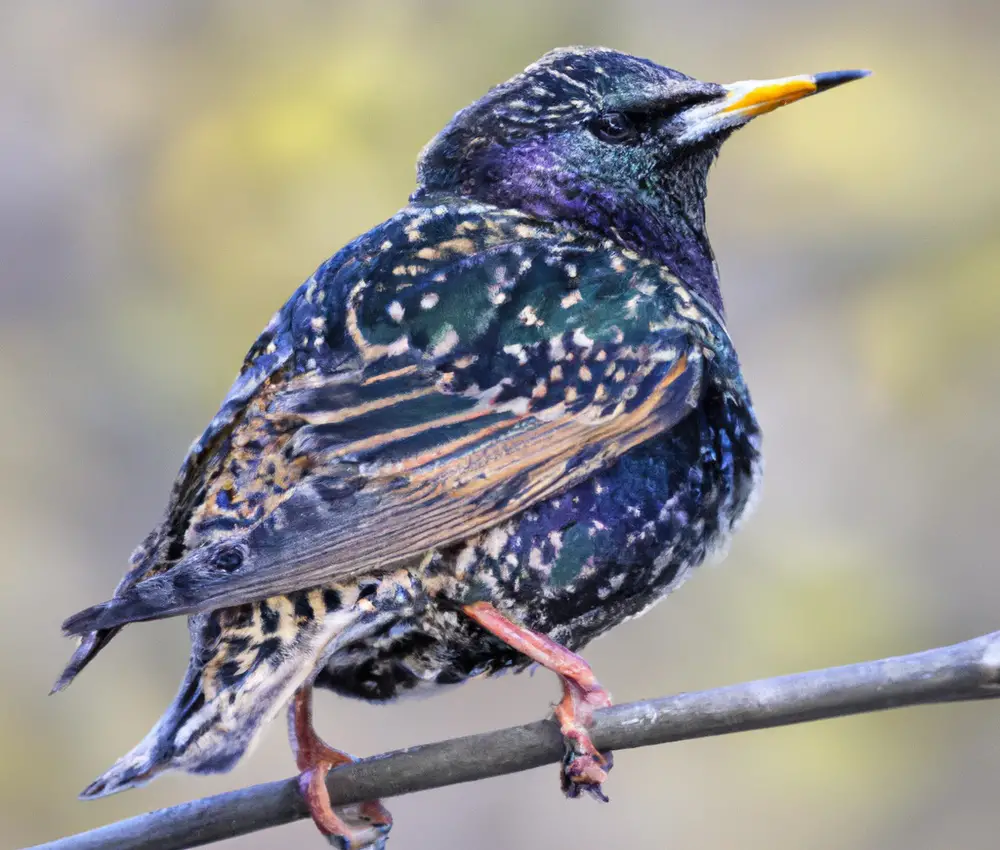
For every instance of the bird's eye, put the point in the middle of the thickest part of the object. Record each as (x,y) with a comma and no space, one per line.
(613,127)
(228,558)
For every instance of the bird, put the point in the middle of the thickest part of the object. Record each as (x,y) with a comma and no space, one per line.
(493,427)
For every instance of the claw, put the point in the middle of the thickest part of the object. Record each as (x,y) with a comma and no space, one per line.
(586,774)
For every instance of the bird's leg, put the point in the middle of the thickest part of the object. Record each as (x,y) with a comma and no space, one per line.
(583,768)
(365,825)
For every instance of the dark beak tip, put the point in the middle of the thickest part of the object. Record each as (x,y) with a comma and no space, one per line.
(93,790)
(830,79)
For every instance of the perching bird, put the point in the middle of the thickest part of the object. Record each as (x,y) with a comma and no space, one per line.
(490,429)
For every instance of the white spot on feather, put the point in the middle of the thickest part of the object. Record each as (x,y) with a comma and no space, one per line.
(529,317)
(444,341)
(400,346)
(495,542)
(572,298)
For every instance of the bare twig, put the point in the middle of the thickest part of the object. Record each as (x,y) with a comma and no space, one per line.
(965,671)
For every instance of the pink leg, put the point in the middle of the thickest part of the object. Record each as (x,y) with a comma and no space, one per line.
(347,828)
(584,768)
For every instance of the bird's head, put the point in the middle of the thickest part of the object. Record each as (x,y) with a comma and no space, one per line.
(606,142)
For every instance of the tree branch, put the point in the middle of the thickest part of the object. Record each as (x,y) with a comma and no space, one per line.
(965,671)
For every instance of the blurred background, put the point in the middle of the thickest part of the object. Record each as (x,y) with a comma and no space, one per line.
(169,173)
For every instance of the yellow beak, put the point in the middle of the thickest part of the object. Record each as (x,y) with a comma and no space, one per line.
(749,98)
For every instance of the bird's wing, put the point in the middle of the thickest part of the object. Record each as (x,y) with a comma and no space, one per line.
(414,450)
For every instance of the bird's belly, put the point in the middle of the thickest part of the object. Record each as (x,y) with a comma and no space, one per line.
(576,565)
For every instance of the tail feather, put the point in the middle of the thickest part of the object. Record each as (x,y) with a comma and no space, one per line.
(239,677)
(88,647)
(130,771)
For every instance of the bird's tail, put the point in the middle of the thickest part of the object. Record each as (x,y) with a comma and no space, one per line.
(246,662)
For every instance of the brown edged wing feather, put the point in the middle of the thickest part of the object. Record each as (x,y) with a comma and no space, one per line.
(381,491)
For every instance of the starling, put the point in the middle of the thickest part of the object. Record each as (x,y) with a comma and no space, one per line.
(485,432)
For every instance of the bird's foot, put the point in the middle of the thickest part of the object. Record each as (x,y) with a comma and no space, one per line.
(362,826)
(583,767)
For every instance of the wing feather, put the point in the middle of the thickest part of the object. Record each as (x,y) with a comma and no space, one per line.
(398,509)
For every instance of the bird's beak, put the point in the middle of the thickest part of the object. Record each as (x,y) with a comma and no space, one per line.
(750,98)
